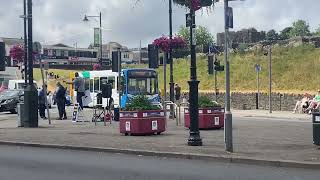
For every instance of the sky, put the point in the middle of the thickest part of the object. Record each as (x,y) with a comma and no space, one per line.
(128,22)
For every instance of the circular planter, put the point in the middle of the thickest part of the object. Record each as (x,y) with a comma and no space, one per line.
(209,118)
(142,122)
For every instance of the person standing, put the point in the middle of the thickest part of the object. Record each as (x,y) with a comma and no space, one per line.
(61,101)
(79,86)
(42,103)
(177,90)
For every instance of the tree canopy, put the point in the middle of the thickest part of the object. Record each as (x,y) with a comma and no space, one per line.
(203,35)
(272,35)
(300,28)
(285,33)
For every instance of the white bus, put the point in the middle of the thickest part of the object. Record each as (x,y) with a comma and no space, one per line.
(92,85)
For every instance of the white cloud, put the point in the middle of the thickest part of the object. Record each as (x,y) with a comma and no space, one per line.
(61,20)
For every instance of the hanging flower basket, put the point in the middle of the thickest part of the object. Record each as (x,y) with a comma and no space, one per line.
(194,4)
(164,43)
(96,67)
(17,53)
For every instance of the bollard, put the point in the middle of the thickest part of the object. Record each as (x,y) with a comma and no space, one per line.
(20,111)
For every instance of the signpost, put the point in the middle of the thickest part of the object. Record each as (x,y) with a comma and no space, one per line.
(258,70)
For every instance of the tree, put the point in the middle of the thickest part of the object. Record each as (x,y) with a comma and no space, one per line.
(204,37)
(285,33)
(272,35)
(317,32)
(300,28)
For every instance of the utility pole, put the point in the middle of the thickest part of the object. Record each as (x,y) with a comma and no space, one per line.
(100,60)
(165,79)
(228,114)
(171,59)
(30,93)
(25,43)
(215,80)
(140,53)
(270,77)
(194,133)
(119,76)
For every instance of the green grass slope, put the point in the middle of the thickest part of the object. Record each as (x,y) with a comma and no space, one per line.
(294,69)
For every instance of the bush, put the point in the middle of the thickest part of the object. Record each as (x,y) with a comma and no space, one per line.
(139,103)
(205,102)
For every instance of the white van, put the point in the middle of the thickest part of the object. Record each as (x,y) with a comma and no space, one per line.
(18,84)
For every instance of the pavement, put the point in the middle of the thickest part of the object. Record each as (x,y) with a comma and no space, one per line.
(31,163)
(278,139)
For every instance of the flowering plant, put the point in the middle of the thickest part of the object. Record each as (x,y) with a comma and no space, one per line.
(164,43)
(96,66)
(194,4)
(17,53)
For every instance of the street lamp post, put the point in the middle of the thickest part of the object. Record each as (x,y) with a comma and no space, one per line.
(100,32)
(30,93)
(228,114)
(194,138)
(25,43)
(170,57)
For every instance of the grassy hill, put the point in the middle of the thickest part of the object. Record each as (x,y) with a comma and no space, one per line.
(294,69)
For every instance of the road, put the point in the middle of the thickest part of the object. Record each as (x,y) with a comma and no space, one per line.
(30,163)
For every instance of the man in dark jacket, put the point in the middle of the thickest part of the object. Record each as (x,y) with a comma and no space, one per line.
(61,101)
(42,103)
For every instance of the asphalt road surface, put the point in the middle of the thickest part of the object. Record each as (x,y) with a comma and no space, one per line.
(27,163)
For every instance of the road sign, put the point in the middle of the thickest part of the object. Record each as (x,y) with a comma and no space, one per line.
(188,20)
(229,18)
(257,67)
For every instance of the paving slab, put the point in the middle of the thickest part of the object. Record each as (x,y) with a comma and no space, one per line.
(281,140)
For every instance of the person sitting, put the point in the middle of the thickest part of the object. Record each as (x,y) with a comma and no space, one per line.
(314,103)
(303,104)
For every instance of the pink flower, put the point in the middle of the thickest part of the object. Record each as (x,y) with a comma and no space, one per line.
(96,66)
(164,43)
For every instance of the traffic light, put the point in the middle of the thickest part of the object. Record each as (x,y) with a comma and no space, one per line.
(2,56)
(217,66)
(115,62)
(210,64)
(205,3)
(153,55)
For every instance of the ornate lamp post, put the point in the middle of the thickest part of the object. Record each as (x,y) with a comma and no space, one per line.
(100,32)
(30,93)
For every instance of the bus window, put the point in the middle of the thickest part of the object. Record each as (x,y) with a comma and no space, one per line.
(146,86)
(86,84)
(91,85)
(96,84)
(111,80)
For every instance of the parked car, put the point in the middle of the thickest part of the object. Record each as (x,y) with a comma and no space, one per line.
(9,100)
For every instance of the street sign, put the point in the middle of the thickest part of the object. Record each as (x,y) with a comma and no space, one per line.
(96,40)
(257,67)
(229,18)
(194,37)
(188,20)
(213,49)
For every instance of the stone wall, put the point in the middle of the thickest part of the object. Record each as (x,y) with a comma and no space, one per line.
(247,101)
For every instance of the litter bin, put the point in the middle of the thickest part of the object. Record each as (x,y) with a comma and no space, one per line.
(316,128)
(116,114)
(20,111)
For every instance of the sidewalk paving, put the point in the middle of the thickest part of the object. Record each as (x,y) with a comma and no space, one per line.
(255,138)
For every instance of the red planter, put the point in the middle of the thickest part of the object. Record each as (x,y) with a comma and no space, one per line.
(142,122)
(209,118)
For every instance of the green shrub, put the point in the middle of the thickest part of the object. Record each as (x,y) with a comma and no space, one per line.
(139,103)
(205,102)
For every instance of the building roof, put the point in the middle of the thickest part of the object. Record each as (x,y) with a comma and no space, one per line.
(12,41)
